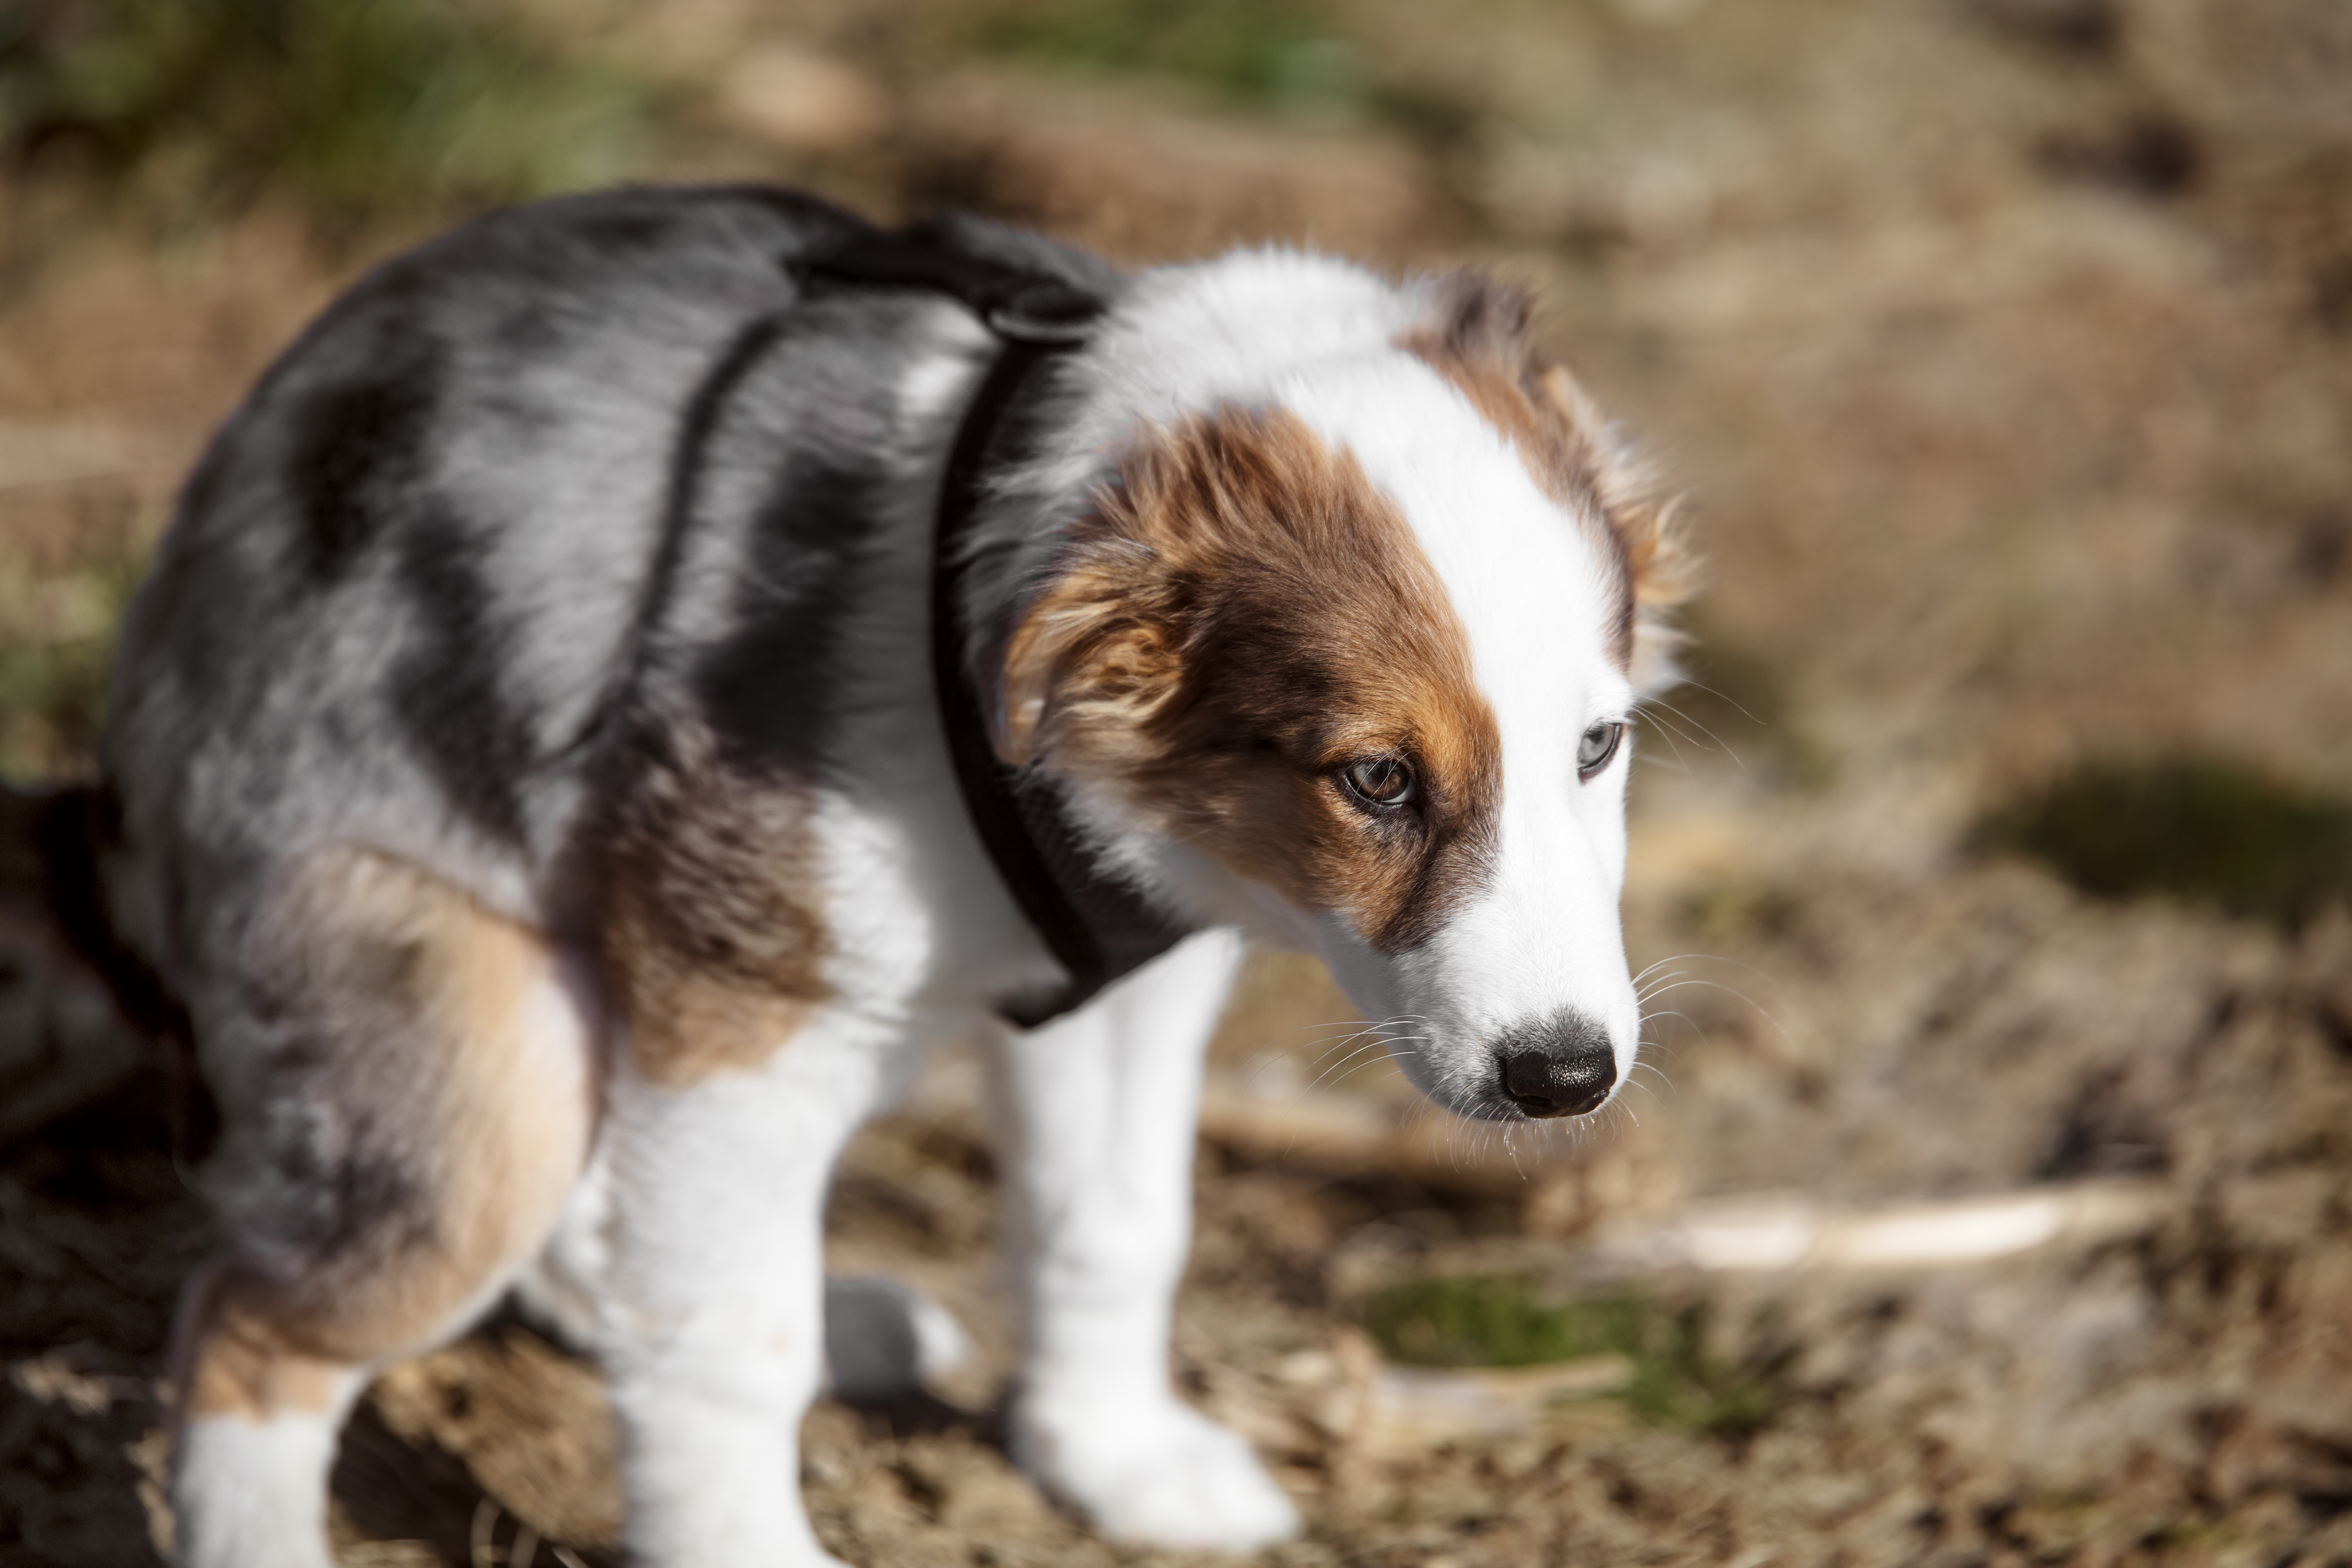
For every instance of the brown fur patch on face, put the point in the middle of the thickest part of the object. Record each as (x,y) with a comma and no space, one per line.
(1244,615)
(447,1129)
(1481,339)
(712,938)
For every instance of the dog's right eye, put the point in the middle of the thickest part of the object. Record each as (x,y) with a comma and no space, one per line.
(1383,782)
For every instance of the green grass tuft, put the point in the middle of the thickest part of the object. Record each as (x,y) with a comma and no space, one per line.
(1481,1319)
(1477,1319)
(1261,53)
(360,109)
(2198,829)
(53,690)
(1285,56)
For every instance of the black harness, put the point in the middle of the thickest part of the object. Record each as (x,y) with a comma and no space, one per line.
(1098,928)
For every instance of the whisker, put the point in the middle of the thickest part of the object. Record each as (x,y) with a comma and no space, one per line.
(1362,1056)
(1658,986)
(1680,958)
(1711,692)
(1656,714)
(1281,1047)
(1720,743)
(1759,1008)
(1681,763)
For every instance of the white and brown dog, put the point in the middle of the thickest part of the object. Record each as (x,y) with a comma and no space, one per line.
(642,666)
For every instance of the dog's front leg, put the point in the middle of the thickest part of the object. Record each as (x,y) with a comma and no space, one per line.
(713,1330)
(1099,1112)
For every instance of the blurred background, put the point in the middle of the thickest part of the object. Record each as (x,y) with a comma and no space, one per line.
(1987,1197)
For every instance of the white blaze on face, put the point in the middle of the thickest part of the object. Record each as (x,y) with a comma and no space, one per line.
(1539,939)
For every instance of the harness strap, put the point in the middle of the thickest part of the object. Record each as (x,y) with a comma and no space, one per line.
(1096,927)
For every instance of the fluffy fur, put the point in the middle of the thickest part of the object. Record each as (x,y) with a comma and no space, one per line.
(532,786)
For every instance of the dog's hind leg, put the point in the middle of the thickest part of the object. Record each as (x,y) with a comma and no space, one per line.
(1099,1112)
(422,1077)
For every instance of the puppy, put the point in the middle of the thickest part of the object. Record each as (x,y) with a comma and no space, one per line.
(641,666)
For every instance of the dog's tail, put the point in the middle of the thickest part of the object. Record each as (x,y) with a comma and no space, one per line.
(80,1010)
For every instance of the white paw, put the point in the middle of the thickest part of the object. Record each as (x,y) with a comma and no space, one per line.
(1161,1475)
(253,1494)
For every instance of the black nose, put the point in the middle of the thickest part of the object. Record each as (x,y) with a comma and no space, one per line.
(1560,1067)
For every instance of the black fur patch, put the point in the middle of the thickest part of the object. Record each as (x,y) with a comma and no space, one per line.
(444,690)
(767,686)
(340,1193)
(357,449)
(532,330)
(341,1185)
(642,228)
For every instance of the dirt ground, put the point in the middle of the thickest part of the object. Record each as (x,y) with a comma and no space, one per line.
(2004,349)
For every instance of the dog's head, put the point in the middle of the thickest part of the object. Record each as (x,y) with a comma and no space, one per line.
(1356,662)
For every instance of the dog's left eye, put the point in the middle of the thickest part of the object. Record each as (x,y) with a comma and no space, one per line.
(1379,781)
(1600,744)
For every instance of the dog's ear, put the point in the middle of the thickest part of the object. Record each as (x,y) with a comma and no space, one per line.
(1483,323)
(1226,505)
(1093,648)
(1096,651)
(1479,332)
(1660,566)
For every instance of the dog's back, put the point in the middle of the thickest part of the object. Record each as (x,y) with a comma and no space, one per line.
(407,573)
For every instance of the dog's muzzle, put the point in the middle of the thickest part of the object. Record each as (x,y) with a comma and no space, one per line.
(1561,1068)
